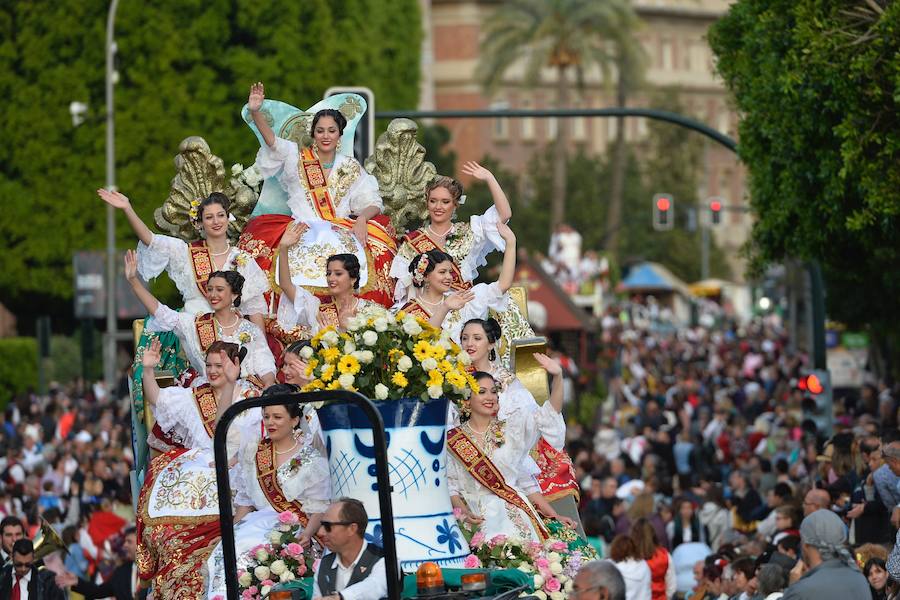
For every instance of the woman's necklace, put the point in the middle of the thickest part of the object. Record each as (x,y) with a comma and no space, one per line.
(352,310)
(440,235)
(438,303)
(237,320)
(226,251)
(280,452)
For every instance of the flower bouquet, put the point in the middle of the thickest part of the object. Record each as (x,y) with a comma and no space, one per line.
(384,356)
(553,564)
(280,560)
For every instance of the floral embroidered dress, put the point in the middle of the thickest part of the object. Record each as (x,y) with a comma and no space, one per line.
(301,485)
(468,475)
(487,297)
(189,266)
(178,506)
(325,205)
(197,333)
(308,312)
(468,244)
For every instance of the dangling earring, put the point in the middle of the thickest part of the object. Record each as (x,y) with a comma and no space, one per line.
(297,435)
(492,356)
(338,146)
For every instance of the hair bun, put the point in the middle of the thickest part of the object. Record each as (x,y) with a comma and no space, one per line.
(492,328)
(242,353)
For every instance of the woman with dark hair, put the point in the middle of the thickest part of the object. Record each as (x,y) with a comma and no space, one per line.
(495,495)
(331,198)
(686,526)
(432,277)
(280,472)
(197,332)
(189,265)
(882,586)
(662,567)
(300,312)
(467,243)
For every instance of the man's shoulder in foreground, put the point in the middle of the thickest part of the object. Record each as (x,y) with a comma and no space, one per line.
(831,579)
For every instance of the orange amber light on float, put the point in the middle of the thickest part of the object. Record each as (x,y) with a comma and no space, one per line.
(280,595)
(474,582)
(429,579)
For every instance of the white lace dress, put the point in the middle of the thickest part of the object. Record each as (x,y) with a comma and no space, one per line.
(307,480)
(468,244)
(259,360)
(304,311)
(351,189)
(520,432)
(172,255)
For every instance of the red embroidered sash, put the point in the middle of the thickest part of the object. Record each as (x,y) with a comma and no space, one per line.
(206,330)
(267,476)
(420,241)
(205,399)
(201,263)
(557,476)
(413,307)
(313,176)
(486,473)
(328,314)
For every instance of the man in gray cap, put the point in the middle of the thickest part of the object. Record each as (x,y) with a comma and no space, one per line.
(832,574)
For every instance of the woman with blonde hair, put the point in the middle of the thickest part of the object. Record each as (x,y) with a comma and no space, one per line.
(624,554)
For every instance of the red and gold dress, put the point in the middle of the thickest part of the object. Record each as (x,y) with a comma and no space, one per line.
(326,205)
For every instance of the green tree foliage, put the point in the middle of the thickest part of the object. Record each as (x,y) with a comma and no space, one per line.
(184,69)
(816,84)
(18,367)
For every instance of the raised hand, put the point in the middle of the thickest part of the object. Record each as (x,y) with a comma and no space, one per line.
(293,234)
(130,265)
(257,95)
(66,579)
(458,300)
(505,232)
(551,366)
(114,199)
(473,169)
(232,368)
(152,355)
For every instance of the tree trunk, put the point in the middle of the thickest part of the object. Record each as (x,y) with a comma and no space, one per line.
(558,203)
(617,185)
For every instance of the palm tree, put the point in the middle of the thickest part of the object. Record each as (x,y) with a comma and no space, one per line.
(568,36)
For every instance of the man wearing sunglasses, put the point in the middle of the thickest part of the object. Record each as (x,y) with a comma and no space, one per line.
(598,580)
(23,581)
(354,570)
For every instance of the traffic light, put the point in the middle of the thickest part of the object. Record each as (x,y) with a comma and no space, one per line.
(364,141)
(818,402)
(663,212)
(715,211)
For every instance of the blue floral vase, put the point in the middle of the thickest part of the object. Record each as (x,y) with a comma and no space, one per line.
(417,462)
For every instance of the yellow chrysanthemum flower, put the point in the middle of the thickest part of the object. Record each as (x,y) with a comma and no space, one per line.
(445,366)
(400,315)
(472,383)
(422,350)
(327,373)
(348,364)
(454,348)
(455,379)
(435,377)
(330,354)
(438,352)
(334,385)
(399,379)
(313,386)
(394,354)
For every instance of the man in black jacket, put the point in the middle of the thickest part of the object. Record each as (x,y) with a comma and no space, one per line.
(121,585)
(23,581)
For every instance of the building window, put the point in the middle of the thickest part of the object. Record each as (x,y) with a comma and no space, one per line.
(501,124)
(724,120)
(527,122)
(611,124)
(552,129)
(667,52)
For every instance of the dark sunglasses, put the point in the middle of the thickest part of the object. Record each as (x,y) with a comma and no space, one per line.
(329,524)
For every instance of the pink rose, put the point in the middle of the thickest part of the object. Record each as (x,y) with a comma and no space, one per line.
(559,545)
(498,540)
(288,518)
(246,595)
(294,549)
(301,569)
(267,582)
(552,584)
(542,563)
(471,562)
(477,539)
(253,590)
(457,512)
(545,573)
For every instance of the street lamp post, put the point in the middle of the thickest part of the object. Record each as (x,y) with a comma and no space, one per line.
(109,349)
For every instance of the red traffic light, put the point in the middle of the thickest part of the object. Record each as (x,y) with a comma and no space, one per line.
(663,203)
(814,385)
(715,206)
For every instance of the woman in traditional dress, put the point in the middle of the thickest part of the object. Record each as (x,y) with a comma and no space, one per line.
(300,310)
(432,275)
(486,458)
(479,338)
(178,507)
(190,265)
(332,195)
(282,472)
(197,333)
(467,243)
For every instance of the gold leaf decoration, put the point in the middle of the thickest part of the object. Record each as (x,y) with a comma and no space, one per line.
(297,129)
(350,107)
(399,165)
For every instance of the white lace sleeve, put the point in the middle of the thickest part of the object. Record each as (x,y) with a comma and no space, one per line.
(364,193)
(486,239)
(261,359)
(166,319)
(176,412)
(270,160)
(244,475)
(455,475)
(311,483)
(255,285)
(487,296)
(154,259)
(303,311)
(527,479)
(400,272)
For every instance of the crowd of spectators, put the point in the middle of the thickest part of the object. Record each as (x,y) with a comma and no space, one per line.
(709,474)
